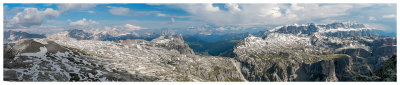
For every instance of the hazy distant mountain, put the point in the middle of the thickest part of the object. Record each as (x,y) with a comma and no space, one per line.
(10,36)
(100,35)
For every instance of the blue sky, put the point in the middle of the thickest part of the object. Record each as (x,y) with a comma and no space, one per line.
(51,18)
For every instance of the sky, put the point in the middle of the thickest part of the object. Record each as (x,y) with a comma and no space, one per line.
(191,17)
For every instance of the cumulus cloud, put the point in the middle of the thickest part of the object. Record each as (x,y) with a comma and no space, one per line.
(32,16)
(118,10)
(172,20)
(220,29)
(82,22)
(371,18)
(389,16)
(123,11)
(73,6)
(90,11)
(322,11)
(232,7)
(161,15)
(132,27)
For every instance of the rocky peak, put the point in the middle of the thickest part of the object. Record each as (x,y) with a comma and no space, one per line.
(10,36)
(346,30)
(297,29)
(342,25)
(179,36)
(336,25)
(79,34)
(333,29)
(252,42)
(250,35)
(176,43)
(33,45)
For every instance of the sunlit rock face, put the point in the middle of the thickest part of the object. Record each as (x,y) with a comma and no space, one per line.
(310,52)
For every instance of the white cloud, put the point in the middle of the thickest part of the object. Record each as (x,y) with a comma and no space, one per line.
(199,8)
(51,13)
(322,11)
(32,16)
(295,7)
(161,15)
(90,11)
(172,20)
(232,7)
(220,29)
(261,14)
(132,27)
(82,22)
(211,8)
(66,7)
(118,10)
(389,16)
(122,11)
(371,18)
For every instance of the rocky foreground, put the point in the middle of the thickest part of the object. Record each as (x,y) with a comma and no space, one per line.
(163,59)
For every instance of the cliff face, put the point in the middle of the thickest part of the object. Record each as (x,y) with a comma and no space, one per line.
(313,53)
(254,68)
(388,71)
(326,70)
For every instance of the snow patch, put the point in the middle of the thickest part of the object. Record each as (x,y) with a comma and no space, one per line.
(44,42)
(42,52)
(342,29)
(163,41)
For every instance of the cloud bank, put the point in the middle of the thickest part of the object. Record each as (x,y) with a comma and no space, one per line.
(82,22)
(256,14)
(32,16)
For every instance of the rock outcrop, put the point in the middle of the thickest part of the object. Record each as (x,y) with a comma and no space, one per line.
(175,43)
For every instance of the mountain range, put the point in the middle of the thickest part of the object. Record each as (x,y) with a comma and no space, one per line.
(307,52)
